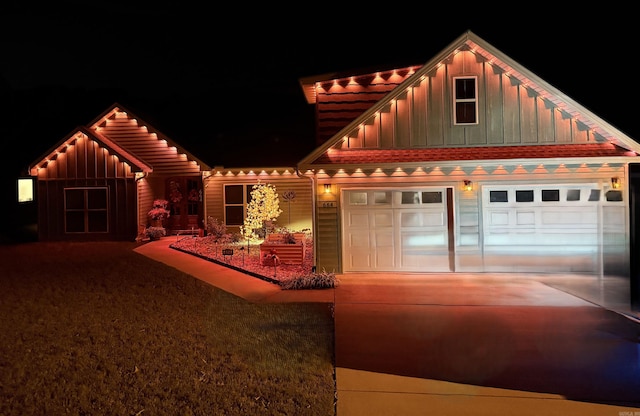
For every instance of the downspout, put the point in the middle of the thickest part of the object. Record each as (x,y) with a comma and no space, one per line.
(312,179)
(205,185)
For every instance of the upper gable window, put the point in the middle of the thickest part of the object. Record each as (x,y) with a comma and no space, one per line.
(465,105)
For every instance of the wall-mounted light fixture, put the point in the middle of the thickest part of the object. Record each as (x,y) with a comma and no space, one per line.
(327,188)
(468,185)
(615,183)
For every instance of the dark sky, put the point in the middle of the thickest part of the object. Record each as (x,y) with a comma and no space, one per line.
(220,80)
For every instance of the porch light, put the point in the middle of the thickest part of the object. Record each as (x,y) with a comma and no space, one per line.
(615,183)
(468,185)
(327,188)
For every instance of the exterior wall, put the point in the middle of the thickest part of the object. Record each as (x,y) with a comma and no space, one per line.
(509,114)
(296,215)
(85,164)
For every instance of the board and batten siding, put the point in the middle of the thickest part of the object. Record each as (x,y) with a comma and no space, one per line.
(86,164)
(509,114)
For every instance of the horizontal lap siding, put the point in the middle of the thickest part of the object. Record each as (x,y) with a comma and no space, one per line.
(296,215)
(339,103)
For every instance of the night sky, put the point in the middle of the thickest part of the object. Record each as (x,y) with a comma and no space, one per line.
(222,82)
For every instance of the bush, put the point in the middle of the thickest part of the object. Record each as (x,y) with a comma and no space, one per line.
(323,280)
(217,230)
(155,232)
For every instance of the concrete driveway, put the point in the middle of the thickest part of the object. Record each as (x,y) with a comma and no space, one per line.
(476,344)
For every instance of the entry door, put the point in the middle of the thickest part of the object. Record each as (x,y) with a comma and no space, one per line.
(185,203)
(396,230)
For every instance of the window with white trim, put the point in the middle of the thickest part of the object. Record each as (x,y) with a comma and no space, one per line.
(465,102)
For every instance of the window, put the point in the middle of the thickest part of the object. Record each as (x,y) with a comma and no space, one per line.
(498,196)
(465,105)
(432,197)
(194,196)
(410,198)
(424,197)
(573,195)
(236,199)
(25,190)
(614,195)
(551,195)
(86,210)
(524,196)
(381,198)
(594,195)
(357,198)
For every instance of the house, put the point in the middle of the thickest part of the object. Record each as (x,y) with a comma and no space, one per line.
(471,164)
(466,163)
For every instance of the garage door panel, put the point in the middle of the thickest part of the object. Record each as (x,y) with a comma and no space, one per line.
(498,218)
(525,217)
(358,219)
(422,219)
(384,239)
(359,260)
(572,218)
(359,240)
(382,219)
(422,239)
(384,249)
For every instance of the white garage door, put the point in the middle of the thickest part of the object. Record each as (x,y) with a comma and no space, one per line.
(541,227)
(395,230)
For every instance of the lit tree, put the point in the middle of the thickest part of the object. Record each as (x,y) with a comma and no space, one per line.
(263,208)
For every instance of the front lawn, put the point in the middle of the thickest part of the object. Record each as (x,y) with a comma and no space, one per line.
(96,328)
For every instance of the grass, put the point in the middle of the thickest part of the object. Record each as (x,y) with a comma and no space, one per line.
(95,328)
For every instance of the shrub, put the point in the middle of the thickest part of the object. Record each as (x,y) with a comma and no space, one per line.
(155,232)
(323,280)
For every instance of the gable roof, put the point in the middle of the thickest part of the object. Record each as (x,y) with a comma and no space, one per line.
(136,163)
(132,140)
(602,130)
(137,137)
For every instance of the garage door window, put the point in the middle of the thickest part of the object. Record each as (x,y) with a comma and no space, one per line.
(524,196)
(551,195)
(573,195)
(498,196)
(426,197)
